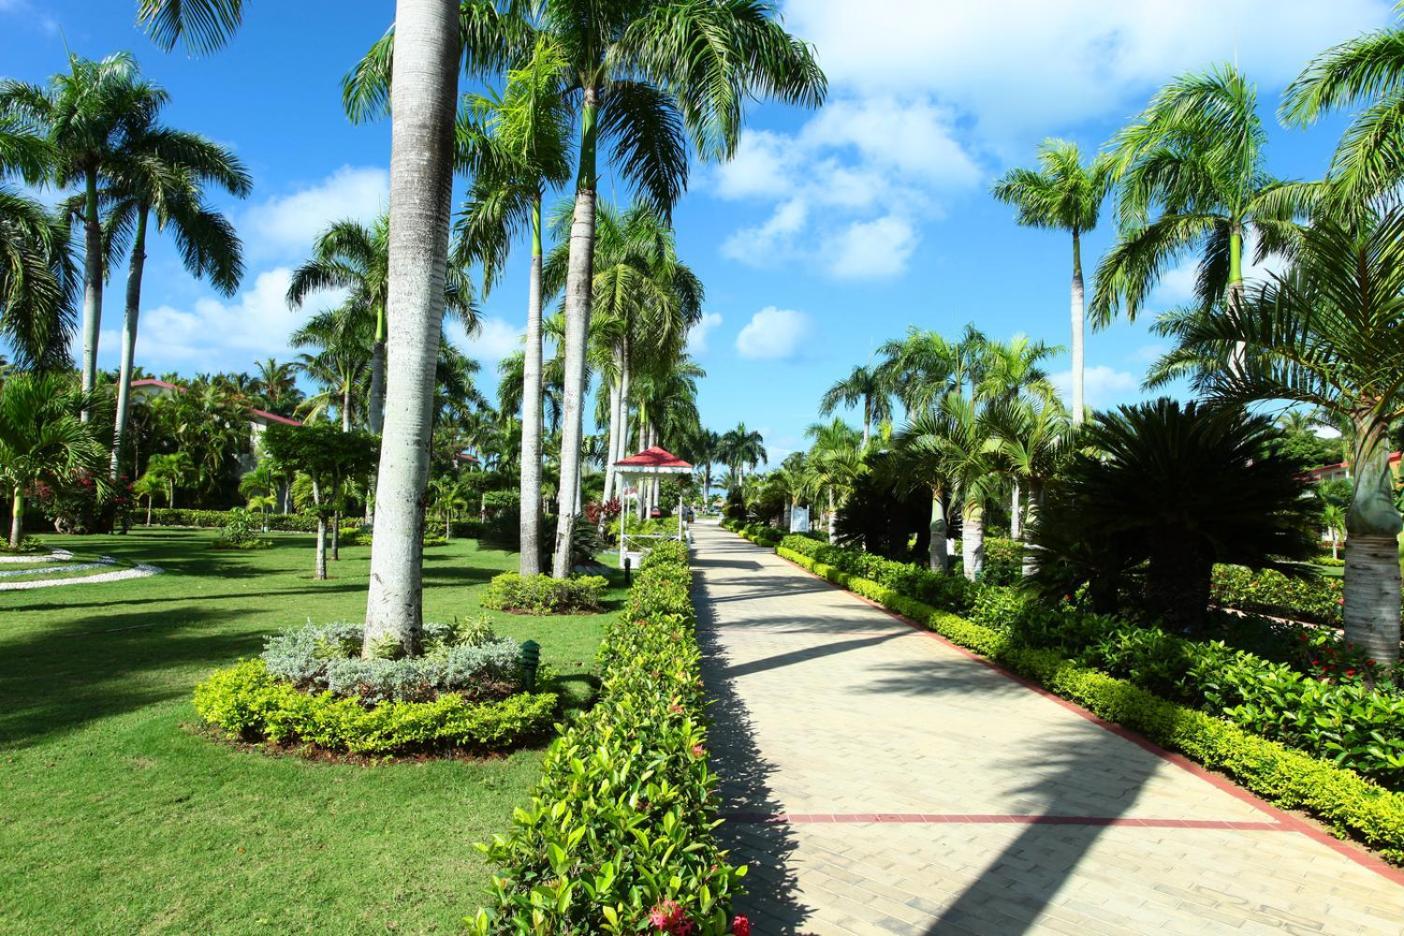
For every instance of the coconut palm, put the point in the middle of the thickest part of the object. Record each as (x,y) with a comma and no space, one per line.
(43,438)
(89,115)
(834,463)
(1367,70)
(518,147)
(165,172)
(650,75)
(1065,194)
(1330,334)
(1196,154)
(276,386)
(1030,436)
(865,386)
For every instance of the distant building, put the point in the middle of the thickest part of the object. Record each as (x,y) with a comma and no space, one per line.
(1342,470)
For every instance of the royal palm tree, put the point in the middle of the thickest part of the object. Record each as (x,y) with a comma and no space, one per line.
(1065,194)
(1030,435)
(276,384)
(743,449)
(518,148)
(1367,70)
(865,386)
(648,73)
(165,172)
(43,438)
(89,115)
(1330,334)
(1196,154)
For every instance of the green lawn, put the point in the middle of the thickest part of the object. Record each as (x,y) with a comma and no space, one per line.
(115,817)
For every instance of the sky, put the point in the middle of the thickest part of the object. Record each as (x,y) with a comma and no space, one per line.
(830,232)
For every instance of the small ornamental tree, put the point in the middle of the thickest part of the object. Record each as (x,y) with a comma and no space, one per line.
(327,456)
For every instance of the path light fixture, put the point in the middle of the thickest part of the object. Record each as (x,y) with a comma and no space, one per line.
(531,660)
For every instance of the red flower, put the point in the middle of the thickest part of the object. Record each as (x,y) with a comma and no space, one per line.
(740,926)
(667,917)
(1351,671)
(1315,662)
(698,750)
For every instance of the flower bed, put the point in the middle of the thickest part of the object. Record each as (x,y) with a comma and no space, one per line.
(1340,797)
(620,827)
(1315,599)
(311,687)
(542,594)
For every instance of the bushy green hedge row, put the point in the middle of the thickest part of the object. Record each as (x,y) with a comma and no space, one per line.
(950,591)
(1316,599)
(761,534)
(541,594)
(247,703)
(1337,718)
(180,516)
(621,823)
(1349,803)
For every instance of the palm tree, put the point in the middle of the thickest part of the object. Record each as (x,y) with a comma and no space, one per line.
(648,72)
(743,449)
(89,114)
(1367,70)
(866,386)
(834,463)
(1030,435)
(1329,334)
(276,386)
(36,268)
(1195,153)
(166,171)
(518,148)
(43,438)
(1065,194)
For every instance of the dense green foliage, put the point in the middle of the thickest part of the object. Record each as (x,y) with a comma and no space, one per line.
(541,594)
(245,702)
(1310,598)
(622,821)
(1338,796)
(185,517)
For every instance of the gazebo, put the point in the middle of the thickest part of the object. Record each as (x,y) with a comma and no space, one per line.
(651,463)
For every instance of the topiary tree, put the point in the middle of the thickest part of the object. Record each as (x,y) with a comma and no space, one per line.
(327,456)
(1171,489)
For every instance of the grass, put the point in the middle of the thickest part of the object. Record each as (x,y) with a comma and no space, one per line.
(116,816)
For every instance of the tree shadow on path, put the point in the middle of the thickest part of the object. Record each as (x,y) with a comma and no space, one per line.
(771,900)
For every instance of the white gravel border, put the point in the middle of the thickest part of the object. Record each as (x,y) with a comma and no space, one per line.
(139,571)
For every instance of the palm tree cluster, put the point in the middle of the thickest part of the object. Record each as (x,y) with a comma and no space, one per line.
(641,85)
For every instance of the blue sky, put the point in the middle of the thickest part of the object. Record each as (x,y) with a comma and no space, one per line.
(830,232)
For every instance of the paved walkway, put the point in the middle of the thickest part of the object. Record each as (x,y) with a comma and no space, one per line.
(879,780)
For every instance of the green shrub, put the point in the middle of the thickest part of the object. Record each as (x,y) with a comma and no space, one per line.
(1340,797)
(944,590)
(180,516)
(245,702)
(1311,598)
(622,819)
(541,594)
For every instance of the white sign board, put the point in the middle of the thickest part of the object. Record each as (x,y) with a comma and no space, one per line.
(799,520)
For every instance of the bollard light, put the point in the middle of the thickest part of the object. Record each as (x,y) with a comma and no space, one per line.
(627,563)
(531,659)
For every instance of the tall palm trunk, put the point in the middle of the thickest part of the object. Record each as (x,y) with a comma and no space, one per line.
(1234,296)
(92,285)
(529,562)
(833,516)
(972,546)
(579,273)
(129,336)
(375,415)
(612,449)
(867,419)
(1033,501)
(320,568)
(17,517)
(1079,319)
(937,557)
(1015,530)
(1372,583)
(424,85)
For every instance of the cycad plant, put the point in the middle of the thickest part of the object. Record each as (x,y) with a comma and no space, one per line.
(1063,193)
(1178,488)
(1329,333)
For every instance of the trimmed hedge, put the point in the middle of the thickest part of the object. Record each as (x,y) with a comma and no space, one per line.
(1350,804)
(541,594)
(181,516)
(621,822)
(246,703)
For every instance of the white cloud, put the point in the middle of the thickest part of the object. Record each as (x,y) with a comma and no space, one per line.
(1104,386)
(496,339)
(286,225)
(215,334)
(874,248)
(1024,68)
(858,169)
(773,334)
(697,335)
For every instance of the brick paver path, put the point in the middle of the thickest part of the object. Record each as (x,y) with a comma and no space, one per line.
(878,780)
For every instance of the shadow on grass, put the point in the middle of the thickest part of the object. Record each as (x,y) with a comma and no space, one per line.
(67,675)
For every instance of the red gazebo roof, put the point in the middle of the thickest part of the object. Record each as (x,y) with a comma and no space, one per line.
(265,416)
(654,459)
